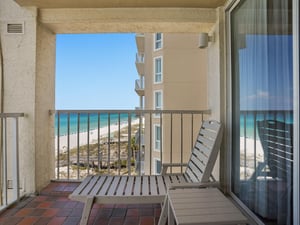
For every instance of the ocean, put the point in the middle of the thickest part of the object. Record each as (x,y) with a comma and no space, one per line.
(103,119)
(248,120)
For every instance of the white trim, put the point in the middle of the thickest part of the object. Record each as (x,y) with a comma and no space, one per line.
(296,169)
(154,99)
(154,70)
(161,42)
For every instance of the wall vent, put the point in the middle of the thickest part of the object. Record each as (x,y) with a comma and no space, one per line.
(15,28)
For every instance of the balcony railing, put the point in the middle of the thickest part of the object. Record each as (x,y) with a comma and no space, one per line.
(10,160)
(121,142)
(139,86)
(139,62)
(140,41)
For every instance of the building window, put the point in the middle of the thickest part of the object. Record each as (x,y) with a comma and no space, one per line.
(157,137)
(157,166)
(158,41)
(157,100)
(158,73)
(262,108)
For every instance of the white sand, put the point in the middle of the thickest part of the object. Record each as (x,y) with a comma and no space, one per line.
(83,136)
(247,169)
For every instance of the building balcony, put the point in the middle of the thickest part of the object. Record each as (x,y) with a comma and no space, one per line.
(140,42)
(114,142)
(140,63)
(93,142)
(139,87)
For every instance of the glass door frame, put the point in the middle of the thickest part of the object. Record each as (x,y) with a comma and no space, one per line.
(229,7)
(296,178)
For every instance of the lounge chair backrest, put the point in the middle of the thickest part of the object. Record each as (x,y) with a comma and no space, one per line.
(277,141)
(205,152)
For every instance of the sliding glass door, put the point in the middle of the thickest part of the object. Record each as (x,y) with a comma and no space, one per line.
(262,108)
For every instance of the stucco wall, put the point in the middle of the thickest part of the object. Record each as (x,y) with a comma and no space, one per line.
(19,81)
(44,101)
(29,66)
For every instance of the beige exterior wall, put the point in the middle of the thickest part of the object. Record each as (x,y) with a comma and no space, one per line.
(183,87)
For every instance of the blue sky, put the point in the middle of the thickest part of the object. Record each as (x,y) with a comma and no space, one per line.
(95,71)
(266,74)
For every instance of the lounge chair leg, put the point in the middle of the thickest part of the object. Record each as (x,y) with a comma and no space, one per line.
(164,212)
(87,210)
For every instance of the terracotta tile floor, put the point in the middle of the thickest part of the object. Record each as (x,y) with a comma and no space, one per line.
(52,207)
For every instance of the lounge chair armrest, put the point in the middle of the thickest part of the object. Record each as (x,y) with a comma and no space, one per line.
(165,166)
(194,185)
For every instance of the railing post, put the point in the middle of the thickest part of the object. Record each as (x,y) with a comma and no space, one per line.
(129,144)
(58,143)
(5,164)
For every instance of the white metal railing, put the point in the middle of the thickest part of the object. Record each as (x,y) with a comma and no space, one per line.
(139,84)
(115,141)
(140,58)
(9,158)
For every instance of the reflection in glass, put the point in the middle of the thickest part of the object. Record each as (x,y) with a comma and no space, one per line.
(262,81)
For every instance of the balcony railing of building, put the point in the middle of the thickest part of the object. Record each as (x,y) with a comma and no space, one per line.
(10,159)
(140,41)
(139,86)
(122,142)
(140,58)
(139,63)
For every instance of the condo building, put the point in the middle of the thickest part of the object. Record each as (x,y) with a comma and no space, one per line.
(172,73)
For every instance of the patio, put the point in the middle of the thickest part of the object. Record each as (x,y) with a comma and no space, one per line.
(53,207)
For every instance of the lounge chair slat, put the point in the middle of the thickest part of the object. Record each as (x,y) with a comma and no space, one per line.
(81,187)
(121,186)
(174,179)
(191,175)
(200,165)
(211,125)
(90,186)
(203,148)
(167,181)
(137,186)
(205,141)
(208,133)
(145,186)
(98,185)
(129,186)
(114,185)
(161,185)
(106,186)
(153,185)
(181,178)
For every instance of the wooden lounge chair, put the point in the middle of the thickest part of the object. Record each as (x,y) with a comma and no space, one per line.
(104,189)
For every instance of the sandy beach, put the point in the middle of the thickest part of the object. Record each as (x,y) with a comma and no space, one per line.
(83,136)
(247,169)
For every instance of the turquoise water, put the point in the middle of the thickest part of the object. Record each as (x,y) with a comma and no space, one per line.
(248,118)
(94,119)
